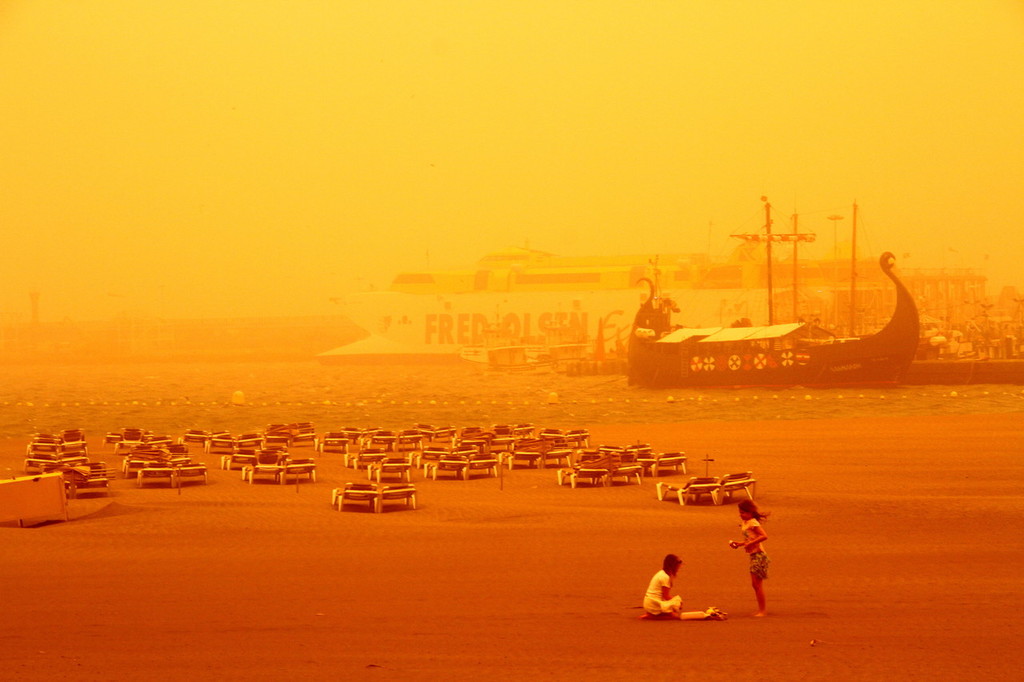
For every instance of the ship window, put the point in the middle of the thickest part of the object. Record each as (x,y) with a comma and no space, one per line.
(498,258)
(559,278)
(414,278)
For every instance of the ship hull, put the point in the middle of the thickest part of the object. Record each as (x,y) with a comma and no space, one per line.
(435,328)
(403,327)
(824,367)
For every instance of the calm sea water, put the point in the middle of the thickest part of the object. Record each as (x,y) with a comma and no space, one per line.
(170,398)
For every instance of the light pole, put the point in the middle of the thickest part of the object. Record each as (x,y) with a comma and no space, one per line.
(835,269)
(853,272)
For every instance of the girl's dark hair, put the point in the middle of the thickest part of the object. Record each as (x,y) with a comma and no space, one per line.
(671,563)
(751,508)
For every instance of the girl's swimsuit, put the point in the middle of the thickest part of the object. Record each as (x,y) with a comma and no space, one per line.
(758,560)
(759,564)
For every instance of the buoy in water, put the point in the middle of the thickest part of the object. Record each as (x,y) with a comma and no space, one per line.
(238,398)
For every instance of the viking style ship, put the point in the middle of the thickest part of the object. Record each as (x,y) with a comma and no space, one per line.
(664,355)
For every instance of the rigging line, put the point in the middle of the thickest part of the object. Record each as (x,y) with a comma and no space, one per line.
(818,212)
(722,248)
(862,229)
(755,218)
(726,239)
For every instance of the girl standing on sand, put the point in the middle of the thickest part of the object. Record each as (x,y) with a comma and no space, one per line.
(658,603)
(753,536)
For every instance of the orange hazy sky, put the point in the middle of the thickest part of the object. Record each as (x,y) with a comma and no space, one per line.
(256,157)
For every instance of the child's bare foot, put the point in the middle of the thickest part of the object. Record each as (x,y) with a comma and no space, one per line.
(760,614)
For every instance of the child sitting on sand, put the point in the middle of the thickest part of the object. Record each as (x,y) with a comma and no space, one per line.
(658,603)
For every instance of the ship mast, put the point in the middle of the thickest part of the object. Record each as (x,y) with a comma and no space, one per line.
(796,271)
(768,251)
(795,237)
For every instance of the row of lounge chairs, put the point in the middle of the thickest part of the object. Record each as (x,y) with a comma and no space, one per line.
(50,452)
(67,452)
(174,474)
(718,489)
(459,453)
(129,438)
(148,457)
(88,478)
(606,464)
(375,495)
(461,464)
(258,454)
(434,461)
(157,461)
(496,438)
(269,462)
(469,455)
(466,451)
(274,435)
(278,466)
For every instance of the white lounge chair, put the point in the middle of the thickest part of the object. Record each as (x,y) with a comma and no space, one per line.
(356,492)
(739,482)
(692,489)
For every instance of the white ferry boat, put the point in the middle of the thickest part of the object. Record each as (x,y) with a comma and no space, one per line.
(540,300)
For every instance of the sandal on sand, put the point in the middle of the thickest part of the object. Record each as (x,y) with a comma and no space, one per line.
(714,613)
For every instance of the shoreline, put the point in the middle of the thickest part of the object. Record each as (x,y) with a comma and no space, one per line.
(941,372)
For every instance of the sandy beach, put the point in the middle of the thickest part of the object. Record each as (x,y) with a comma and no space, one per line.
(892,541)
